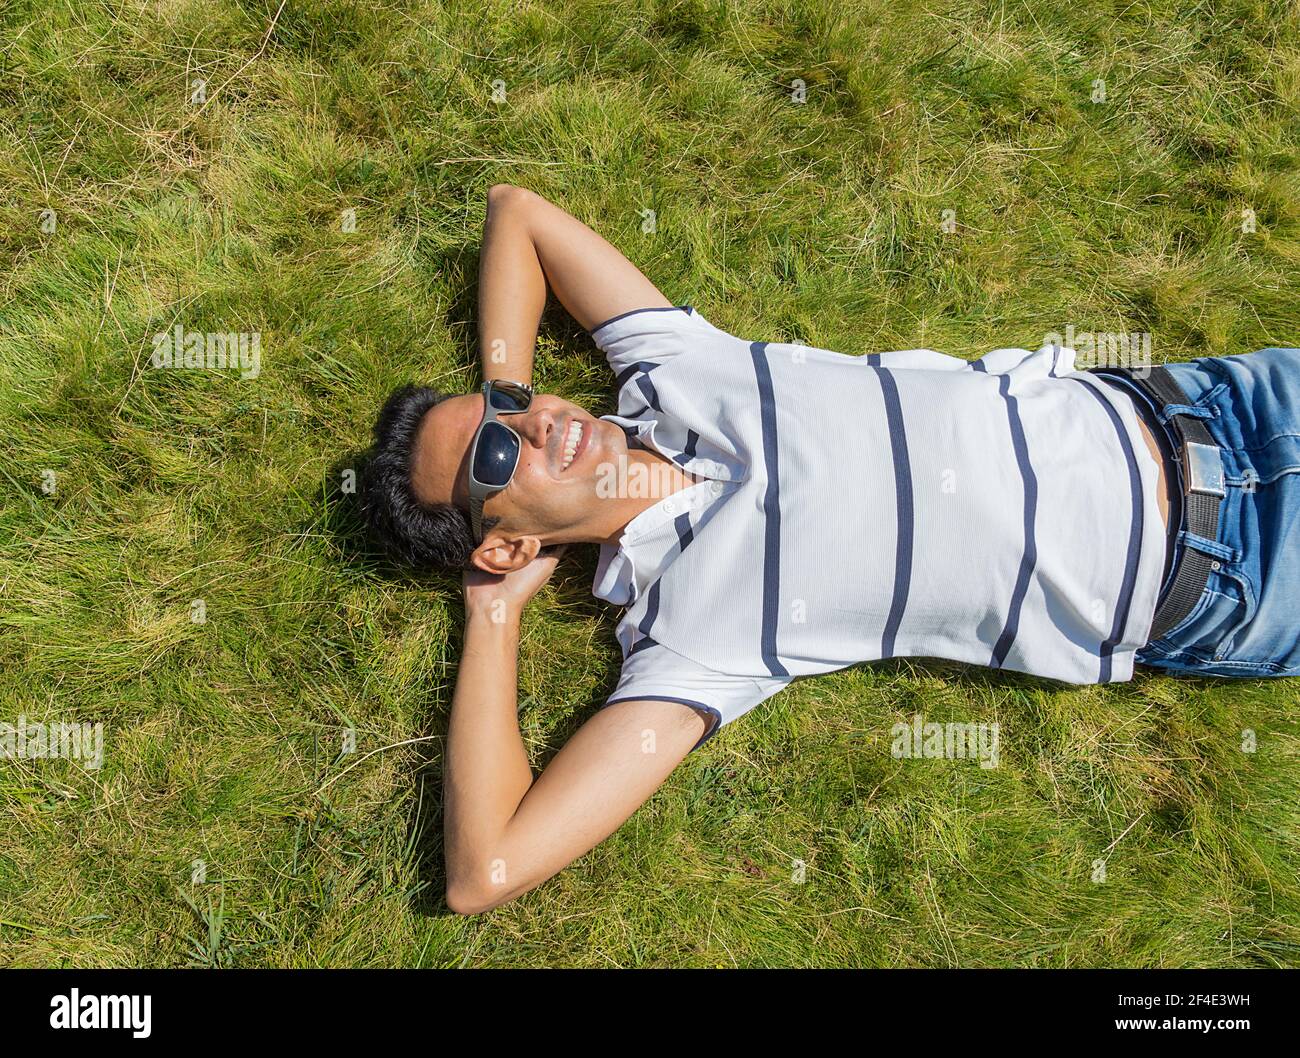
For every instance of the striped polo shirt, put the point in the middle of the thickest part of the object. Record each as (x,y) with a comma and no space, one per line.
(854,508)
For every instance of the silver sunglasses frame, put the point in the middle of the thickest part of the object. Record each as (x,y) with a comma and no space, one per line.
(478,490)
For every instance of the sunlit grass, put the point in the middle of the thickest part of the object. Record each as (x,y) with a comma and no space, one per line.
(818,222)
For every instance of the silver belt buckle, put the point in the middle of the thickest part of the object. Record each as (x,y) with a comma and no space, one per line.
(1204,467)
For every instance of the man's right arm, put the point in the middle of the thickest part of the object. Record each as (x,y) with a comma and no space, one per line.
(531,246)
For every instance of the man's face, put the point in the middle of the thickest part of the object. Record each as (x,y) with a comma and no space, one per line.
(545,498)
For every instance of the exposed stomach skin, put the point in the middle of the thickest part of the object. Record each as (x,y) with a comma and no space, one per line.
(1164,480)
(1162,489)
(1164,484)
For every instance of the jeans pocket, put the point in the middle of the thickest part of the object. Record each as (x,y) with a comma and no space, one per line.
(1206,632)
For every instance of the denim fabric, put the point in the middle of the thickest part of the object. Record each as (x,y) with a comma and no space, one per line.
(1247,621)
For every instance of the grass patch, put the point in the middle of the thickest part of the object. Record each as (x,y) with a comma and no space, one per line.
(198,159)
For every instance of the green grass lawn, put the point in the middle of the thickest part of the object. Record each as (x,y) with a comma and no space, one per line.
(228,826)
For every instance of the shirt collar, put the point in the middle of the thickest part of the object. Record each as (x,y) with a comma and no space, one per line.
(649,535)
(647,540)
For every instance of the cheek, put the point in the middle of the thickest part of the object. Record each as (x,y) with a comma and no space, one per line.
(539,493)
(532,487)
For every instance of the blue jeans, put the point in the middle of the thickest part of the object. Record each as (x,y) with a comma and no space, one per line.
(1247,621)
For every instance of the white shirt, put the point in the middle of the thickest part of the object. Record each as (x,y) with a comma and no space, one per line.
(648,544)
(897,504)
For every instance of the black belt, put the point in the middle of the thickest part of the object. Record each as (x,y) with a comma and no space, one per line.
(1199,463)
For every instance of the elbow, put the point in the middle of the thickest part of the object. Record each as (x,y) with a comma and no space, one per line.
(507,197)
(473,892)
(463,901)
(467,893)
(464,896)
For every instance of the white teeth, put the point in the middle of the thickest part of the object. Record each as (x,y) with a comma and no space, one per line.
(571,443)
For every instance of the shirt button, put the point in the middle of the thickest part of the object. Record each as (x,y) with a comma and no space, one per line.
(670,507)
(1215,565)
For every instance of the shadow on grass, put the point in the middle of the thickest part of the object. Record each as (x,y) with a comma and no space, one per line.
(344,521)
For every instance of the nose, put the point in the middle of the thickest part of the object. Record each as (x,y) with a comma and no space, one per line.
(536,424)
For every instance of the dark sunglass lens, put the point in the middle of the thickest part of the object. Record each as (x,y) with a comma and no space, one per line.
(496,455)
(509,398)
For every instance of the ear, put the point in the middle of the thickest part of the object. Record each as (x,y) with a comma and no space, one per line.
(501,554)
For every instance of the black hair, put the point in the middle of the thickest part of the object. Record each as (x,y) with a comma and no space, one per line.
(437,535)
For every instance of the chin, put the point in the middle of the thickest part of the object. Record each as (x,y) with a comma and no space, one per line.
(612,439)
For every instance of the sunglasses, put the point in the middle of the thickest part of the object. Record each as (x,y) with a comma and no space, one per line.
(494,452)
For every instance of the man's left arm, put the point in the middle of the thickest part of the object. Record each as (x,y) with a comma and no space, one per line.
(505,832)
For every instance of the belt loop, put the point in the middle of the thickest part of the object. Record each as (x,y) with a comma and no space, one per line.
(1209,547)
(1170,410)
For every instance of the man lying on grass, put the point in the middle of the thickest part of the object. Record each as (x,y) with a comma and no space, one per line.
(767,511)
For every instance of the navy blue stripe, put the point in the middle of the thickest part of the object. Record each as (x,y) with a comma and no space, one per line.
(685,534)
(651,612)
(661,698)
(621,379)
(633,312)
(644,643)
(648,391)
(635,414)
(1028,557)
(771,511)
(642,366)
(1125,601)
(692,439)
(873,360)
(978,365)
(906,514)
(714,728)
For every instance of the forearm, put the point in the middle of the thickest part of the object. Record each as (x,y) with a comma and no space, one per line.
(512,289)
(486,771)
(504,832)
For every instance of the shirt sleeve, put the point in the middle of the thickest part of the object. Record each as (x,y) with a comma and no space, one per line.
(660,674)
(649,336)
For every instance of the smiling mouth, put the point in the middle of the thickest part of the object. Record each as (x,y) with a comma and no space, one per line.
(573,441)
